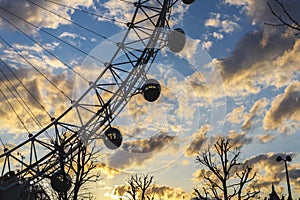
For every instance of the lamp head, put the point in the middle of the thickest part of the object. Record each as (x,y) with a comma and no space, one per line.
(279,158)
(288,158)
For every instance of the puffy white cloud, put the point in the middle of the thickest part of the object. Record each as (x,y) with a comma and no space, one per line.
(214,22)
(218,36)
(67,34)
(229,26)
(237,2)
(207,45)
(225,25)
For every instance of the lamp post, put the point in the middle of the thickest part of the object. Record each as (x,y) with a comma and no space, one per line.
(287,159)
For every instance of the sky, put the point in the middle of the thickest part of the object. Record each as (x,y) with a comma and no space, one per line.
(236,76)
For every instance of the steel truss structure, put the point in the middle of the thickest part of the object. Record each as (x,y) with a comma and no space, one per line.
(127,70)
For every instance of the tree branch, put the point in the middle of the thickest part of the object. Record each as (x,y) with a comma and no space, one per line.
(293,24)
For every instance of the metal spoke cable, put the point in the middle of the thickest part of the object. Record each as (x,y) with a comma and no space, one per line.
(87,12)
(48,33)
(36,69)
(152,8)
(23,104)
(1,141)
(24,86)
(21,101)
(71,21)
(11,106)
(40,45)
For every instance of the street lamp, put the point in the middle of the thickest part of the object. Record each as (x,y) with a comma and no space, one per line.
(287,159)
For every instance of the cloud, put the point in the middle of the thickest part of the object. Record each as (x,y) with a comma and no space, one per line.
(168,192)
(285,106)
(120,11)
(200,88)
(33,117)
(71,35)
(197,142)
(207,45)
(106,170)
(214,22)
(238,140)
(265,138)
(263,57)
(152,144)
(189,50)
(256,109)
(229,26)
(136,152)
(251,65)
(72,38)
(224,25)
(218,36)
(259,12)
(237,2)
(31,106)
(236,115)
(36,15)
(25,49)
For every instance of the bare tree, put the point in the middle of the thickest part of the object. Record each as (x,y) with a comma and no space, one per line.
(224,176)
(77,167)
(286,19)
(81,167)
(138,188)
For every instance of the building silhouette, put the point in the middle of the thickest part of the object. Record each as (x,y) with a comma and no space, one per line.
(273,195)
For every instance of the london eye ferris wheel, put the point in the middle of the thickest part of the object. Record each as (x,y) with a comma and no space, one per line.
(92,111)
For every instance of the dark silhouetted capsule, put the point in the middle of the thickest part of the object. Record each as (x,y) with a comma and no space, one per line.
(176,40)
(279,158)
(112,138)
(61,182)
(188,1)
(151,90)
